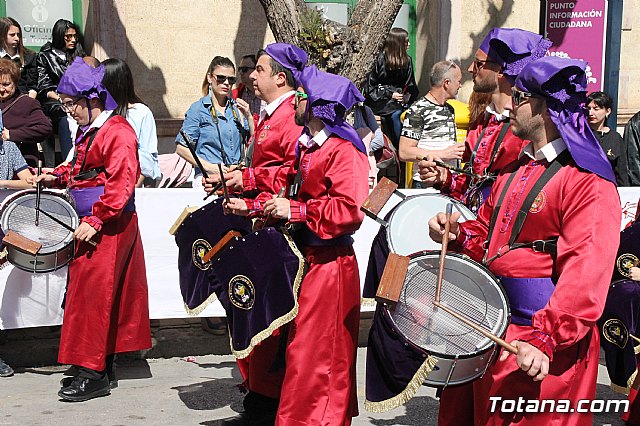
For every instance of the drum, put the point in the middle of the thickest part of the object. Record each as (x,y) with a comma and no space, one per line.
(19,214)
(407,230)
(462,354)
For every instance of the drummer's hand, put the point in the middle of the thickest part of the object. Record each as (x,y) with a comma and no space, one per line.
(430,174)
(635,273)
(233,178)
(236,206)
(84,232)
(529,359)
(46,179)
(436,226)
(277,207)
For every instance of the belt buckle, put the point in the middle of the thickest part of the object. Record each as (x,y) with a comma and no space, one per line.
(538,246)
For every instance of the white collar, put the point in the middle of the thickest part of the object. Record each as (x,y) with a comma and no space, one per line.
(271,107)
(4,53)
(319,139)
(101,119)
(549,151)
(491,109)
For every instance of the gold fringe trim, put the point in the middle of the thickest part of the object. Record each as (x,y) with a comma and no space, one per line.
(284,319)
(201,307)
(403,397)
(368,302)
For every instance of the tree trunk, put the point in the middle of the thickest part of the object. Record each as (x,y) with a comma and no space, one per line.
(363,38)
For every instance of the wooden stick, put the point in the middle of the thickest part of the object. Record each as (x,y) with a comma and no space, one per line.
(486,333)
(38,193)
(443,252)
(449,167)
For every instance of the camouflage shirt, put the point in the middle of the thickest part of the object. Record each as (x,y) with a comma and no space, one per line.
(432,125)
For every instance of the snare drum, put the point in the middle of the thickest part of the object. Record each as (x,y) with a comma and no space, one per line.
(19,214)
(407,228)
(462,354)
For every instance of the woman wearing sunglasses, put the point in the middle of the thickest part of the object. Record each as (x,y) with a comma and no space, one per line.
(217,125)
(52,61)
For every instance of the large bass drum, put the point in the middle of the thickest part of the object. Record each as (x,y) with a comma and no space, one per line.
(462,354)
(18,214)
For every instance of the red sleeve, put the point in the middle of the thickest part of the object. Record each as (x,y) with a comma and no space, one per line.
(119,151)
(339,212)
(62,174)
(587,249)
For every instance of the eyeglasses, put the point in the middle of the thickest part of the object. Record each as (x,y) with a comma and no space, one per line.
(299,96)
(69,37)
(479,63)
(518,96)
(69,105)
(220,79)
(245,69)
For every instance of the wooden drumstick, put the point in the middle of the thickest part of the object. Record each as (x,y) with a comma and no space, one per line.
(448,166)
(486,333)
(443,253)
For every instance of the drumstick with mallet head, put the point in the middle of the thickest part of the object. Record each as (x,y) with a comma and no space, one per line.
(64,225)
(449,167)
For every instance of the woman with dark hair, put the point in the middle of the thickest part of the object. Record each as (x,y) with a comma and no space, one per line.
(599,108)
(218,125)
(11,47)
(391,85)
(53,60)
(119,82)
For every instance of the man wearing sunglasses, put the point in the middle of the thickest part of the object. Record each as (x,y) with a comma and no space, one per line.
(271,154)
(319,383)
(491,145)
(550,218)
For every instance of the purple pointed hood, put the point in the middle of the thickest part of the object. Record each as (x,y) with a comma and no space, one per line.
(82,80)
(562,83)
(289,56)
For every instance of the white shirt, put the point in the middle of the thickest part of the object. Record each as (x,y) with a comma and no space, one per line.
(4,53)
(491,109)
(548,152)
(271,107)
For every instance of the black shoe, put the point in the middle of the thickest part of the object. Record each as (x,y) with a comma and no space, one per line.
(250,419)
(66,381)
(5,369)
(83,389)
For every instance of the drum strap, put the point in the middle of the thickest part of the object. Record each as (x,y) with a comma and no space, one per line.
(496,146)
(545,246)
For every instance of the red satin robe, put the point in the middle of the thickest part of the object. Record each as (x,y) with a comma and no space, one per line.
(320,383)
(274,150)
(457,185)
(107,305)
(584,211)
(274,153)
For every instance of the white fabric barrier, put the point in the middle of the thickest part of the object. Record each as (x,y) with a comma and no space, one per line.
(31,300)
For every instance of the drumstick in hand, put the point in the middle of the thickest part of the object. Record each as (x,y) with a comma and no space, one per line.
(443,253)
(448,166)
(486,333)
(64,225)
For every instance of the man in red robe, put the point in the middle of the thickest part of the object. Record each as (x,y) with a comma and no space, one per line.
(106,307)
(272,153)
(549,219)
(491,145)
(330,182)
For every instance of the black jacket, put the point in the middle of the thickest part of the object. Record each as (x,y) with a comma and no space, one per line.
(382,83)
(50,70)
(28,72)
(612,144)
(631,152)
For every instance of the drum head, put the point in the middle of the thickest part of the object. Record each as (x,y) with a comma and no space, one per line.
(408,229)
(468,288)
(19,216)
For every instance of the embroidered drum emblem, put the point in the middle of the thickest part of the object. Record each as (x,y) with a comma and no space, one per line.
(538,203)
(625,262)
(242,293)
(615,332)
(475,200)
(199,248)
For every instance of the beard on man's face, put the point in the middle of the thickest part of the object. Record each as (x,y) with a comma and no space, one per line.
(486,86)
(299,118)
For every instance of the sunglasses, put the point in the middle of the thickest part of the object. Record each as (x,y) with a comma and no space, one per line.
(220,79)
(518,96)
(299,96)
(245,69)
(69,37)
(479,63)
